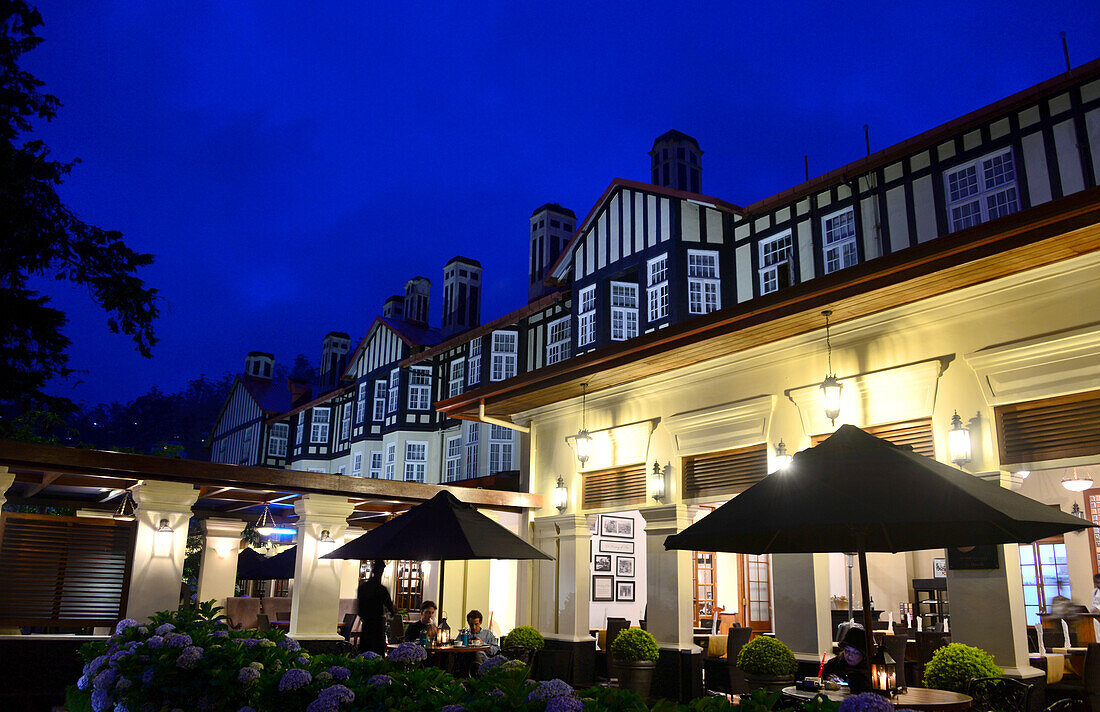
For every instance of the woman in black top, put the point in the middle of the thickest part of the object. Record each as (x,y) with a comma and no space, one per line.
(850,664)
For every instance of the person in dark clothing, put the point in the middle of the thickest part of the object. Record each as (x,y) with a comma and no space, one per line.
(374,604)
(850,664)
(424,625)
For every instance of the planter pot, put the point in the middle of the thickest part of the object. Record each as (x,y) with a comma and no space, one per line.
(771,683)
(636,676)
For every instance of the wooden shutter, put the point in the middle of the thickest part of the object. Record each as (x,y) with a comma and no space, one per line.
(613,486)
(725,473)
(63,571)
(915,433)
(1048,429)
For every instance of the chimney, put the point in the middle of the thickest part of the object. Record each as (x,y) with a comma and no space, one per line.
(676,161)
(461,295)
(417,291)
(334,357)
(259,364)
(394,308)
(551,230)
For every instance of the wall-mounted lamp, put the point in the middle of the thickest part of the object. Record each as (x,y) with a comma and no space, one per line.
(1077,484)
(561,495)
(1077,511)
(265,525)
(831,387)
(222,547)
(126,509)
(958,441)
(583,441)
(657,482)
(162,539)
(782,457)
(326,544)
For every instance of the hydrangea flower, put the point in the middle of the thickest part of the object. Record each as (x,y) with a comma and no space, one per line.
(550,689)
(248,642)
(369,655)
(289,644)
(323,676)
(83,683)
(164,629)
(189,658)
(148,676)
(495,692)
(379,680)
(91,668)
(301,661)
(339,673)
(155,641)
(323,704)
(220,634)
(246,709)
(491,663)
(178,640)
(294,679)
(101,701)
(341,694)
(866,702)
(408,653)
(123,683)
(513,665)
(564,704)
(248,675)
(257,665)
(120,655)
(144,630)
(105,679)
(265,643)
(452,708)
(124,624)
(121,707)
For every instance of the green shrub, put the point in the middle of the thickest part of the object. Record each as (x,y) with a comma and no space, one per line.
(634,644)
(954,665)
(766,656)
(525,636)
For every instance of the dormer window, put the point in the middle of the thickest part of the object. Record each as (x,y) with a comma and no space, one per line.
(318,433)
(704,295)
(981,190)
(624,311)
(838,232)
(775,263)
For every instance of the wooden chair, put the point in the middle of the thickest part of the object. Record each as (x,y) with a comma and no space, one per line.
(738,638)
(1087,688)
(895,645)
(348,628)
(396,630)
(1000,694)
(928,643)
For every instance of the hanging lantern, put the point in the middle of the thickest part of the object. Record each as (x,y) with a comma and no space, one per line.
(126,509)
(884,673)
(1077,484)
(831,386)
(561,495)
(443,632)
(265,525)
(958,441)
(657,486)
(583,441)
(162,539)
(782,457)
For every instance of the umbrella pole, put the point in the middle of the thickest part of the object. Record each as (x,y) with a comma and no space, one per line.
(442,570)
(865,590)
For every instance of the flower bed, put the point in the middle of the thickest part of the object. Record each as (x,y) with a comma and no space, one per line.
(190,660)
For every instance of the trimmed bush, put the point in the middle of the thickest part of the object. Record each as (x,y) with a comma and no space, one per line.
(767,656)
(955,665)
(525,636)
(634,644)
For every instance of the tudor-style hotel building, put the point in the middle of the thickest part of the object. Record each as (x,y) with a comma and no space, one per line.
(685,334)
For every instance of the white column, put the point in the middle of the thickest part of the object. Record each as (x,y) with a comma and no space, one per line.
(316,605)
(157,568)
(574,582)
(218,568)
(6,480)
(668,578)
(544,607)
(349,572)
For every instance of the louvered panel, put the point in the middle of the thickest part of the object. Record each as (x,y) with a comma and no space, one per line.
(917,434)
(614,486)
(725,473)
(1049,429)
(63,571)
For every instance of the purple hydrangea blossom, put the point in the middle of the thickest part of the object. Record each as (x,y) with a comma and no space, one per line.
(91,668)
(121,707)
(379,680)
(119,656)
(101,701)
(124,624)
(105,679)
(408,653)
(83,683)
(248,642)
(550,689)
(178,640)
(294,679)
(164,629)
(144,630)
(220,634)
(301,661)
(323,704)
(123,683)
(148,677)
(495,692)
(189,658)
(289,644)
(154,642)
(564,704)
(341,694)
(246,709)
(248,675)
(369,655)
(866,702)
(452,708)
(491,663)
(339,673)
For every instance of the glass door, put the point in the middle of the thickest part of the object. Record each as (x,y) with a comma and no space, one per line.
(754,578)
(704,586)
(1045,572)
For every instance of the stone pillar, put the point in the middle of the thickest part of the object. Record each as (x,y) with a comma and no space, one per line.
(349,572)
(801,606)
(668,579)
(544,589)
(316,606)
(218,569)
(157,568)
(6,481)
(574,577)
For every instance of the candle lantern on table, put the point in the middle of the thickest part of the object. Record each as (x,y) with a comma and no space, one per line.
(443,632)
(884,673)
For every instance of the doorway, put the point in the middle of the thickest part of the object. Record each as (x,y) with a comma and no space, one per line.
(754,585)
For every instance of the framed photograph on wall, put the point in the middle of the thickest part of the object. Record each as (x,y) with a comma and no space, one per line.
(624,591)
(602,562)
(616,547)
(624,566)
(593,524)
(603,588)
(939,568)
(618,527)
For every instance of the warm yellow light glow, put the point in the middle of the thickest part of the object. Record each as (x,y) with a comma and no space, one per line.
(831,389)
(657,482)
(162,540)
(222,547)
(583,443)
(265,525)
(561,495)
(1077,484)
(782,457)
(958,441)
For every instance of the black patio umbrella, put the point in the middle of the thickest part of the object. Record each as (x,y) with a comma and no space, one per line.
(253,565)
(440,529)
(857,493)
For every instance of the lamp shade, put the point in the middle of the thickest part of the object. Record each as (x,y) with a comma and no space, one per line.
(831,389)
(782,457)
(1077,484)
(561,495)
(958,440)
(657,482)
(584,446)
(265,525)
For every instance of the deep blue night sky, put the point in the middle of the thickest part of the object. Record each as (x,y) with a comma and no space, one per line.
(292,165)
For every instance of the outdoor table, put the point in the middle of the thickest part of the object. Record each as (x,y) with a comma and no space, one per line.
(914,698)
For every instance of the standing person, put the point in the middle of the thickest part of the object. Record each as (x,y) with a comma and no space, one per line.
(424,625)
(484,636)
(374,604)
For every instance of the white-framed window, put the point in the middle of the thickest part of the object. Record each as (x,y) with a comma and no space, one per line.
(557,341)
(361,403)
(981,190)
(838,238)
(704,294)
(246,445)
(586,316)
(345,422)
(301,427)
(501,449)
(342,470)
(775,263)
(416,461)
(454,459)
(458,377)
(657,287)
(391,457)
(375,464)
(473,434)
(319,425)
(395,380)
(420,388)
(624,311)
(276,443)
(505,350)
(473,370)
(379,401)
(357,465)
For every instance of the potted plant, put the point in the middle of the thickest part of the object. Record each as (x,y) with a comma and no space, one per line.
(767,663)
(522,644)
(635,657)
(954,665)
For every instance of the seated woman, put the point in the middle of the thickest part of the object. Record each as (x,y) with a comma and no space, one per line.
(850,664)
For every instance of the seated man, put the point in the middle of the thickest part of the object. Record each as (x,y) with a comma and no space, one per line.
(481,636)
(424,625)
